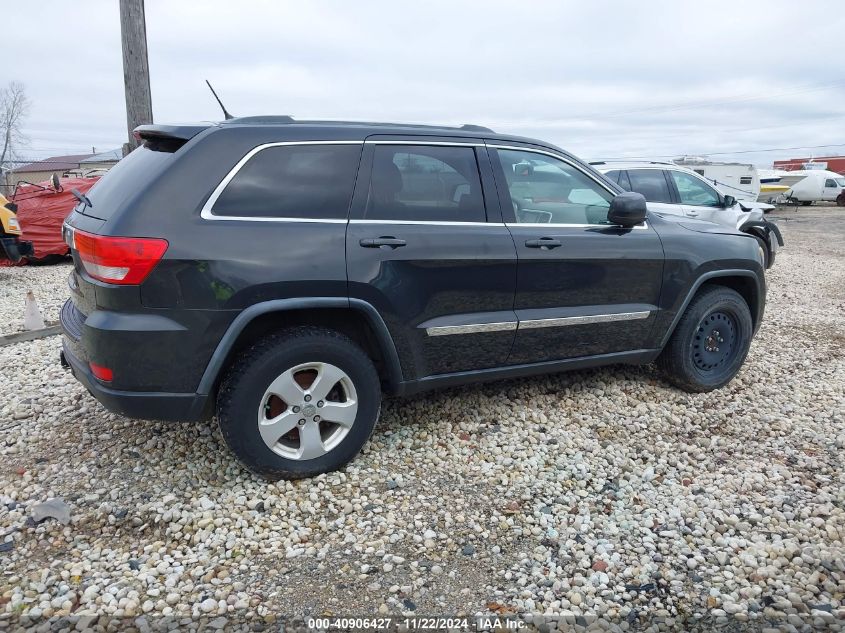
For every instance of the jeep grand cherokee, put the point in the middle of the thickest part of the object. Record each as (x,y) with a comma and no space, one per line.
(285,274)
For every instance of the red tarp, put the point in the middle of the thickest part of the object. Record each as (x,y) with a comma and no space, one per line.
(41,213)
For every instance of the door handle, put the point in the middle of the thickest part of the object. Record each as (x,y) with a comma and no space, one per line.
(543,242)
(692,214)
(384,240)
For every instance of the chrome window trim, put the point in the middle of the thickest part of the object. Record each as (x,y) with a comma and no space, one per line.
(644,225)
(474,328)
(426,222)
(574,165)
(531,324)
(415,142)
(249,218)
(206,213)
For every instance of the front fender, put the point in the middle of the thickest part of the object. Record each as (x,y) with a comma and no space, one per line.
(758,297)
(768,228)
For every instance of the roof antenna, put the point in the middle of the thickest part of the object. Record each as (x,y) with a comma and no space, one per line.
(226,115)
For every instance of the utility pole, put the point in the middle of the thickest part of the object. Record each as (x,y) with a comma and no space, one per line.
(136,68)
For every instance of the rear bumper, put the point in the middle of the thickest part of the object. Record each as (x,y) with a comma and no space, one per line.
(14,248)
(147,405)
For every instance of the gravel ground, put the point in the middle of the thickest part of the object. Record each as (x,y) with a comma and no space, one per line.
(601,492)
(48,284)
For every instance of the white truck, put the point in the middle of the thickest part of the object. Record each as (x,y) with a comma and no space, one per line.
(817,185)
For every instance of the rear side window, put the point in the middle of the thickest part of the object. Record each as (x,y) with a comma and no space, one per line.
(425,183)
(293,181)
(651,183)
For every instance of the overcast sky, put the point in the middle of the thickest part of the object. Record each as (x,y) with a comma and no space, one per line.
(601,79)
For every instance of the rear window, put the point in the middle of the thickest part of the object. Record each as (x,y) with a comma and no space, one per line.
(651,183)
(293,181)
(131,174)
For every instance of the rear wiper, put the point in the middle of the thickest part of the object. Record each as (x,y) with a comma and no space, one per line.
(82,198)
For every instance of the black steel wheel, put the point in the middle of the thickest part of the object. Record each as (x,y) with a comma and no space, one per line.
(710,342)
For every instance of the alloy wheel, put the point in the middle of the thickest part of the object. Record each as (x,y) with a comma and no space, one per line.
(307,411)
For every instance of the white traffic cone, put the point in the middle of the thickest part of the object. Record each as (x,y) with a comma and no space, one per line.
(32,319)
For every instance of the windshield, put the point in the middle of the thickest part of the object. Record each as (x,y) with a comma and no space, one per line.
(840,181)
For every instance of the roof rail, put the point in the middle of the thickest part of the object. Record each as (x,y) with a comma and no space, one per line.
(630,160)
(469,127)
(282,118)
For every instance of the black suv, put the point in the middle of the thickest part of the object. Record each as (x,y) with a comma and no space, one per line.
(287,273)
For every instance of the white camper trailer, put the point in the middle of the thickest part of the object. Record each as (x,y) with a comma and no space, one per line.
(739,180)
(817,185)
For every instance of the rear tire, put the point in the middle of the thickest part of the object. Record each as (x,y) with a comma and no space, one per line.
(299,403)
(710,342)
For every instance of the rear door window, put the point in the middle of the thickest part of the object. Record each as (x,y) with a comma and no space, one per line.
(425,183)
(312,182)
(651,183)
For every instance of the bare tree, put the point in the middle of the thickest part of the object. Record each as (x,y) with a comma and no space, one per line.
(14,107)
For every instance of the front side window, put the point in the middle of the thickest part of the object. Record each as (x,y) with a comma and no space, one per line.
(651,183)
(546,190)
(830,182)
(425,183)
(694,191)
(293,181)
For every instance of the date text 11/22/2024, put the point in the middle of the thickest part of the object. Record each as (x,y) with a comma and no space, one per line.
(420,623)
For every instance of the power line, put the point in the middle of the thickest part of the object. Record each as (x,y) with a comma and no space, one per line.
(704,104)
(745,151)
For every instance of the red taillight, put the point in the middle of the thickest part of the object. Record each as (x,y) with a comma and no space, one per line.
(118,260)
(101,373)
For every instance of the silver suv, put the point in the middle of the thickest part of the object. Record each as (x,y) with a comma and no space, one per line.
(671,189)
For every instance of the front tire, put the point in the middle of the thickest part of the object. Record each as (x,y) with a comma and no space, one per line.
(299,403)
(710,342)
(768,255)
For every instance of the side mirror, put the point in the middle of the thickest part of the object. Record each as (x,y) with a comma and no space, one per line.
(728,202)
(627,209)
(523,168)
